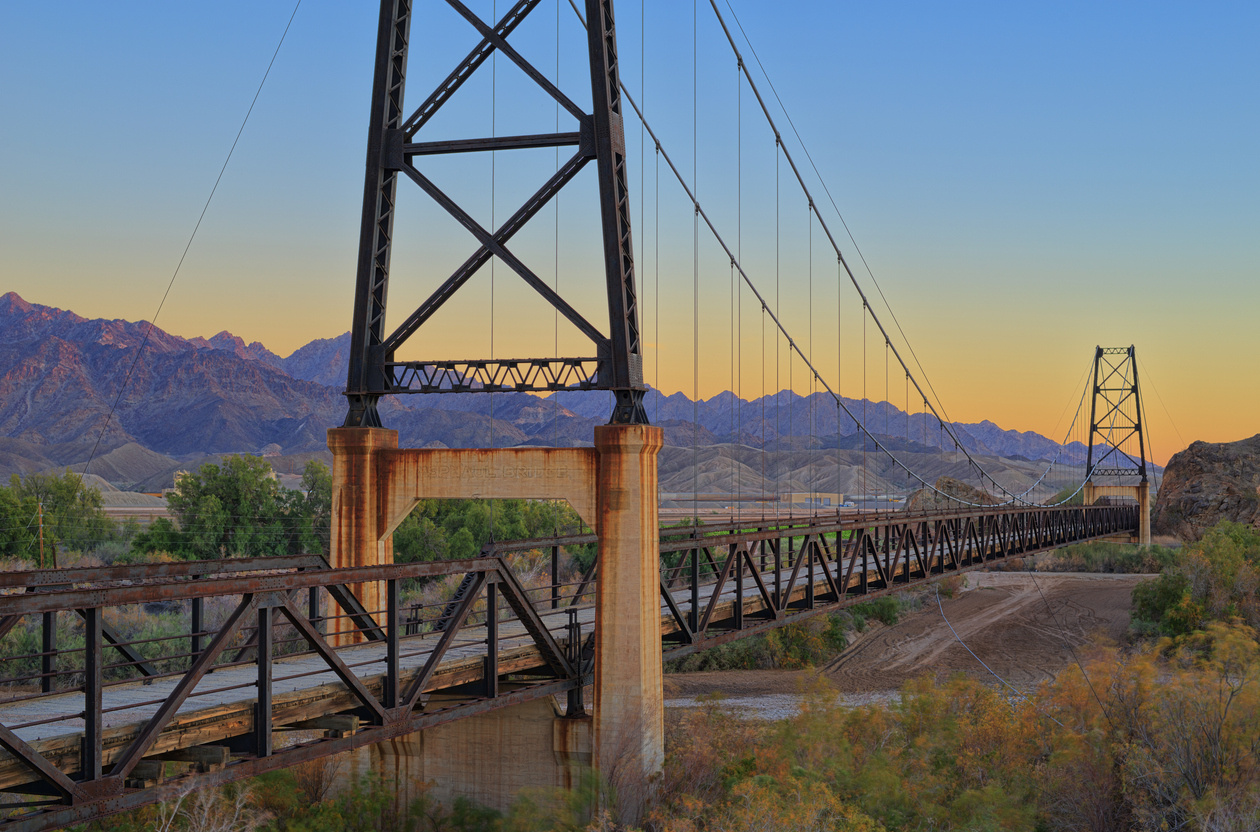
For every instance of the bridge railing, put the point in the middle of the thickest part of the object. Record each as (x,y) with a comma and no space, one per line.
(728,581)
(785,569)
(103,718)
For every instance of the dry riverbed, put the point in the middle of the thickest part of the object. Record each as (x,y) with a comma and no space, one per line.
(1020,624)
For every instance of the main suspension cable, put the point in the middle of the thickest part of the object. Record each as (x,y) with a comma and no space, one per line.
(701,214)
(852,277)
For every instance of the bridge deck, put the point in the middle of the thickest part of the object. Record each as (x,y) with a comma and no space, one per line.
(303,687)
(861,557)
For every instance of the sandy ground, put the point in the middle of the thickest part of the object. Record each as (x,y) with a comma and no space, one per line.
(1017,623)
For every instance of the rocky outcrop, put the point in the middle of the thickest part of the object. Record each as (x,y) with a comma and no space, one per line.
(950,494)
(1206,483)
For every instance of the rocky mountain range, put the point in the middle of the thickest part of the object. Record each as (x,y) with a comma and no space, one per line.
(143,403)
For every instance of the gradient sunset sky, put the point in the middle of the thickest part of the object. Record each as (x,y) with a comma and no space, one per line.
(1025,181)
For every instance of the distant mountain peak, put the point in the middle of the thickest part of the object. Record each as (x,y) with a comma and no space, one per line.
(11,302)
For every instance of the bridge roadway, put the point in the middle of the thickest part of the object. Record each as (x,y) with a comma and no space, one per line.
(303,688)
(782,574)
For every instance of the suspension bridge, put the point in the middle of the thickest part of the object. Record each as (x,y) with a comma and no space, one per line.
(514,669)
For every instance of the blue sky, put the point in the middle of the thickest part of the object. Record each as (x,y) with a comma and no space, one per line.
(1025,180)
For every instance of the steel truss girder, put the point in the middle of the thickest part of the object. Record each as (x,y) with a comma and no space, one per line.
(392,148)
(831,570)
(101,790)
(506,375)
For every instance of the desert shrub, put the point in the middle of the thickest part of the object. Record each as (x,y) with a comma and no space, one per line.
(807,643)
(1214,579)
(1116,558)
(951,586)
(885,609)
(1154,739)
(752,653)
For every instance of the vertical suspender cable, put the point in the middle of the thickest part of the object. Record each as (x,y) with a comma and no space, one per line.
(826,229)
(695,268)
(494,102)
(733,405)
(739,248)
(555,313)
(778,324)
(642,134)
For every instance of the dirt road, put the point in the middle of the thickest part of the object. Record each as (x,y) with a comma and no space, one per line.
(1017,623)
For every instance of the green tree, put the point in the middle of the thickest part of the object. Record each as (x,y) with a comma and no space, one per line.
(235,509)
(73,516)
(457,529)
(19,524)
(239,508)
(309,510)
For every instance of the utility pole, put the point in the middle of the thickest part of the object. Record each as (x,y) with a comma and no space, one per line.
(41,534)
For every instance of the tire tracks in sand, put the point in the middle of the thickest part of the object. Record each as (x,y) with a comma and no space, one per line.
(1004,619)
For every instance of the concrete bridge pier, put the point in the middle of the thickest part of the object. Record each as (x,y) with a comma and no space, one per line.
(357,504)
(1140,492)
(613,487)
(629,729)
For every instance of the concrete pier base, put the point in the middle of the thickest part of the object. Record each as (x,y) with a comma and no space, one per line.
(491,759)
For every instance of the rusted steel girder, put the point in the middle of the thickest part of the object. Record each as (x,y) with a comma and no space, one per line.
(96,782)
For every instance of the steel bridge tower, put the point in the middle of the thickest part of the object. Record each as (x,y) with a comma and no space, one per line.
(612,486)
(395,139)
(1115,433)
